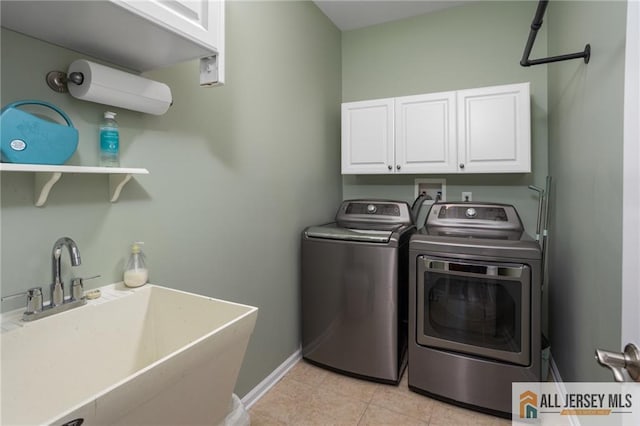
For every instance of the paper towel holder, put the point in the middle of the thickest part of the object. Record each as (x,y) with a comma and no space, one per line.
(58,80)
(93,82)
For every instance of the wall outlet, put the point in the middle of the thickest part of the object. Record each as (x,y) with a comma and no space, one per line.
(467,196)
(435,188)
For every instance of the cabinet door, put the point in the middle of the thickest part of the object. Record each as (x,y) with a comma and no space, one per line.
(367,137)
(494,129)
(198,20)
(426,133)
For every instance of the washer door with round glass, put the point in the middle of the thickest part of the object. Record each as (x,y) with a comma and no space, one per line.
(476,308)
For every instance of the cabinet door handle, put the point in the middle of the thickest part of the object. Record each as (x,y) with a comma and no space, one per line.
(398,167)
(389,167)
(462,165)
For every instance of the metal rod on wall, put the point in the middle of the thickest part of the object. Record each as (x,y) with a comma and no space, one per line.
(535,26)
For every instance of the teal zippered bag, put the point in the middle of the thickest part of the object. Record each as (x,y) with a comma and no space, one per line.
(28,139)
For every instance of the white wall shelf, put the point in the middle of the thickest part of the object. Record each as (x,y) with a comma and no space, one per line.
(46,177)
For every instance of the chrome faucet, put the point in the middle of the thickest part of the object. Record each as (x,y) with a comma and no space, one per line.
(35,307)
(57,286)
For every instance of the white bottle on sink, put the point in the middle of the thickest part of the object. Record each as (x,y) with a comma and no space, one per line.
(136,273)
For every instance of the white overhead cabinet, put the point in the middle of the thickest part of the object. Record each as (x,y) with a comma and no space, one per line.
(485,130)
(425,133)
(139,35)
(494,129)
(367,129)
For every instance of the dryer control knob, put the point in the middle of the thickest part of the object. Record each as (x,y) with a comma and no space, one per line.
(471,212)
(371,208)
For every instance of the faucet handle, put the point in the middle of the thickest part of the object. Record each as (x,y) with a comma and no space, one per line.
(34,299)
(77,287)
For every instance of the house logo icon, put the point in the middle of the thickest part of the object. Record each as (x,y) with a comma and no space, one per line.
(528,405)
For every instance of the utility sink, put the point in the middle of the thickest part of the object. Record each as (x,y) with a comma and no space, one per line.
(150,355)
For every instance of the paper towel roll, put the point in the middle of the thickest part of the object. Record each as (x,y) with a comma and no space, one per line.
(109,86)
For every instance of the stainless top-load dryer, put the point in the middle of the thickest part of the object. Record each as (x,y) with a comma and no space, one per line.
(354,290)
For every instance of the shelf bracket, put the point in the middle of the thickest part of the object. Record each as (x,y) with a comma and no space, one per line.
(116,183)
(44,181)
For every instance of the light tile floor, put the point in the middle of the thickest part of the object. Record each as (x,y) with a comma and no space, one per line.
(309,395)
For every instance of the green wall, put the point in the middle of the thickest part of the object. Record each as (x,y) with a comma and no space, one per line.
(236,172)
(585,144)
(475,45)
(579,143)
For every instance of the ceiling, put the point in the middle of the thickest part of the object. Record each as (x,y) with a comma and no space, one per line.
(353,14)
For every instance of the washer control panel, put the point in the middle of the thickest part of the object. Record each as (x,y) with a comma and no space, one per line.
(361,213)
(374,208)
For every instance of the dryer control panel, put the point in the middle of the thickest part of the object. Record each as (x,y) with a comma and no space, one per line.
(474,215)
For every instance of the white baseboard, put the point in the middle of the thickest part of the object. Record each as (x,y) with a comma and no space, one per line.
(263,387)
(555,373)
(557,378)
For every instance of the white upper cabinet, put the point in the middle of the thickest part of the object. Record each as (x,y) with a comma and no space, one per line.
(494,129)
(426,133)
(484,130)
(367,129)
(195,20)
(139,35)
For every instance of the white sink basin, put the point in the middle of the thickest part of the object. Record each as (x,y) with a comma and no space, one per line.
(150,355)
